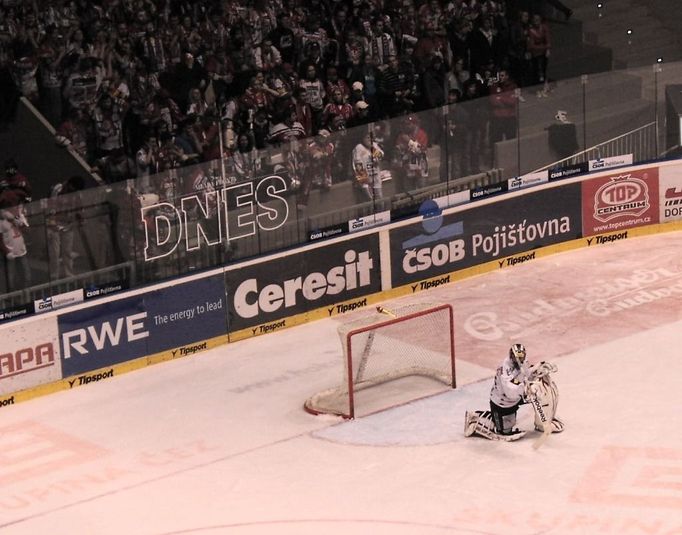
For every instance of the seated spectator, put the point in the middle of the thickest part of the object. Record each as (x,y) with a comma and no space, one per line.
(361,116)
(287,129)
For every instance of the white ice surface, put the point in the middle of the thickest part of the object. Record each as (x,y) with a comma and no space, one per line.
(219,443)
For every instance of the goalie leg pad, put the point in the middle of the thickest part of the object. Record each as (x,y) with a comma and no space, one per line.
(480,423)
(548,396)
(556,425)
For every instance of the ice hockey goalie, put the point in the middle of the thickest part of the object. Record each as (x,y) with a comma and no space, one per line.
(516,384)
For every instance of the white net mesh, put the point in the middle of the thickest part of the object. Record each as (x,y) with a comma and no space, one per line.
(413,340)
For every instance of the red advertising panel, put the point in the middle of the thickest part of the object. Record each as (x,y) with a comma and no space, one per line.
(620,201)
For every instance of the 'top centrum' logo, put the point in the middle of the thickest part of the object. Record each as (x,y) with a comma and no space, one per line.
(623,195)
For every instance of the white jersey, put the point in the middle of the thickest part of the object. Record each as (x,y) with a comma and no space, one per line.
(13,244)
(509,385)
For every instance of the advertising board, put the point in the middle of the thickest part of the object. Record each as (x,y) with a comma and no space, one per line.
(620,201)
(439,244)
(118,331)
(29,354)
(670,192)
(270,290)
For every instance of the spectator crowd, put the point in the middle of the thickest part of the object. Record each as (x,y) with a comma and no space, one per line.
(140,87)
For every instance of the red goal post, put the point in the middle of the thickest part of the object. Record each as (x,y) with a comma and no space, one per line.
(407,341)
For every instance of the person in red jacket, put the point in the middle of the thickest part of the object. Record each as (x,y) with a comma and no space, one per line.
(504,107)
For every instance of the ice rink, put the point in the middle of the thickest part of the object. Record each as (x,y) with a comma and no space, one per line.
(218,442)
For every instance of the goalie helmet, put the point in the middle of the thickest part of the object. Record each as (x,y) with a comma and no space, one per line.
(517,352)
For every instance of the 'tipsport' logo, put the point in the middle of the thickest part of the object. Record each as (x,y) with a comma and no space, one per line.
(624,195)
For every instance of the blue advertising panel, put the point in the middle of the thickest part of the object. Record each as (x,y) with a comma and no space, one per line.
(103,335)
(119,331)
(186,313)
(440,244)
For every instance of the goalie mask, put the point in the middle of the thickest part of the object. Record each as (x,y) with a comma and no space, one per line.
(517,352)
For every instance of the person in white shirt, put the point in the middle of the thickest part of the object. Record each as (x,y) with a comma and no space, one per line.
(366,157)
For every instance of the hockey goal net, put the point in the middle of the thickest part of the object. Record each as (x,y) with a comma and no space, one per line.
(411,341)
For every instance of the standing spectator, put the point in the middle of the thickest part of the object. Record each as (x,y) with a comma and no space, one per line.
(16,188)
(304,112)
(82,86)
(337,30)
(478,109)
(107,118)
(74,132)
(246,160)
(337,106)
(434,95)
(483,46)
(366,158)
(396,86)
(539,45)
(334,82)
(188,75)
(455,152)
(197,104)
(152,49)
(266,56)
(62,219)
(319,153)
(16,182)
(145,161)
(504,107)
(50,83)
(410,164)
(459,37)
(458,76)
(381,46)
(314,95)
(256,97)
(517,53)
(13,246)
(283,38)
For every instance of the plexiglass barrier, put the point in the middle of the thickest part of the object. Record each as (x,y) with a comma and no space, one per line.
(259,201)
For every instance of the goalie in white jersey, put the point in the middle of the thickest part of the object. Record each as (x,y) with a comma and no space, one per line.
(516,383)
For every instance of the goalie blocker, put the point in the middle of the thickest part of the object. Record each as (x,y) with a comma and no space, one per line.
(516,384)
